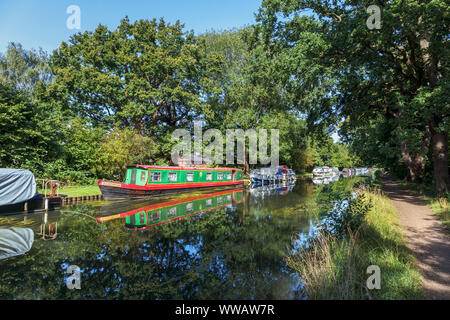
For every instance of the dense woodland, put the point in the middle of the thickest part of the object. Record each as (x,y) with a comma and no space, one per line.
(309,68)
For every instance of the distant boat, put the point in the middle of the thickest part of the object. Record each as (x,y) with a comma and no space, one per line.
(271,175)
(322,171)
(143,181)
(335,171)
(346,172)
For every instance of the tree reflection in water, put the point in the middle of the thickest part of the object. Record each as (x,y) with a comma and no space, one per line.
(231,251)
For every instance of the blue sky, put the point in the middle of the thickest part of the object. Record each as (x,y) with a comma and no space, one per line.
(42,23)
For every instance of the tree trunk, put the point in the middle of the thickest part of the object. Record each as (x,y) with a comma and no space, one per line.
(414,162)
(440,161)
(246,167)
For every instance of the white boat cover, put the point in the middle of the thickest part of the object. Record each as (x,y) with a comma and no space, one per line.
(16,185)
(15,241)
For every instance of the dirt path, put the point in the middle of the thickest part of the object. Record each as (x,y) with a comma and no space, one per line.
(426,236)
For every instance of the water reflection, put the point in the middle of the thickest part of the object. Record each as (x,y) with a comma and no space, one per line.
(174,210)
(228,244)
(15,241)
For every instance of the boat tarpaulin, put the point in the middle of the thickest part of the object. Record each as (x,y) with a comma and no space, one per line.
(15,241)
(16,185)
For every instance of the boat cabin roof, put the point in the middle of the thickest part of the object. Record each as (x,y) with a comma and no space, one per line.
(181,168)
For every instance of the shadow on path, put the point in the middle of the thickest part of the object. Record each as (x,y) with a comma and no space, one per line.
(426,236)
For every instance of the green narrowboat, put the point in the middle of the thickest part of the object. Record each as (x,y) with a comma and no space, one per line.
(160,213)
(143,181)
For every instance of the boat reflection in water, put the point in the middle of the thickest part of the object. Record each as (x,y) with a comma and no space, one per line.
(167,211)
(280,189)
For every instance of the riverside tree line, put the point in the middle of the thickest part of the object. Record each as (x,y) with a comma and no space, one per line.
(105,97)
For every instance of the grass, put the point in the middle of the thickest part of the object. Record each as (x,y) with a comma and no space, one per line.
(334,268)
(441,208)
(79,191)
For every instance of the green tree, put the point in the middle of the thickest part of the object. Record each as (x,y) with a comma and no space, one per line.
(29,132)
(398,73)
(148,76)
(24,69)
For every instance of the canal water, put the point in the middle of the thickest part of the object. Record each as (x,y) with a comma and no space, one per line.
(219,244)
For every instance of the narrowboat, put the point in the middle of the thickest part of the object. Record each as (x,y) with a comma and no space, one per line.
(143,181)
(168,211)
(18,193)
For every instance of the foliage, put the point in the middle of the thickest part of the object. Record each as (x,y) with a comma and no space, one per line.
(347,216)
(387,88)
(24,70)
(147,76)
(333,268)
(108,98)
(28,132)
(121,147)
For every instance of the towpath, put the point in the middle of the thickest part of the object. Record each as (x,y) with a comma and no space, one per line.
(426,236)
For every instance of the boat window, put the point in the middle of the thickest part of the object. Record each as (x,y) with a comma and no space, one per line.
(142,217)
(172,176)
(190,176)
(228,176)
(219,200)
(229,197)
(143,176)
(209,176)
(219,175)
(172,212)
(189,206)
(155,216)
(209,202)
(155,176)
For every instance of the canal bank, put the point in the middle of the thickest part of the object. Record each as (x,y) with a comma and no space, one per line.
(334,266)
(225,245)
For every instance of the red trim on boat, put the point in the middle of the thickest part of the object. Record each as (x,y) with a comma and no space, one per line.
(117,184)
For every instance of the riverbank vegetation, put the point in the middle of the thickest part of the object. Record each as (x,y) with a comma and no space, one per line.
(334,265)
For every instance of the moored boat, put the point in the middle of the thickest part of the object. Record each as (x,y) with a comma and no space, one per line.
(322,171)
(143,181)
(18,193)
(270,175)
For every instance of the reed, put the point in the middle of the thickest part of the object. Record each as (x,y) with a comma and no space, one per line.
(336,268)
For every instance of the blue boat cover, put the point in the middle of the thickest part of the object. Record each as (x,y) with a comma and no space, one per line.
(15,241)
(16,185)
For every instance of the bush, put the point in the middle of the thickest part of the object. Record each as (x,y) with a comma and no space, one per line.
(347,216)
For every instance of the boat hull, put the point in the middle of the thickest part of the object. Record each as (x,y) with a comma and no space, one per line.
(32,206)
(117,190)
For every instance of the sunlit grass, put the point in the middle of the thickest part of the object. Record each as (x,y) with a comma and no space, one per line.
(335,268)
(79,191)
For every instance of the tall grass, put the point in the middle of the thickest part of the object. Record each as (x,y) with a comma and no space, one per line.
(335,268)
